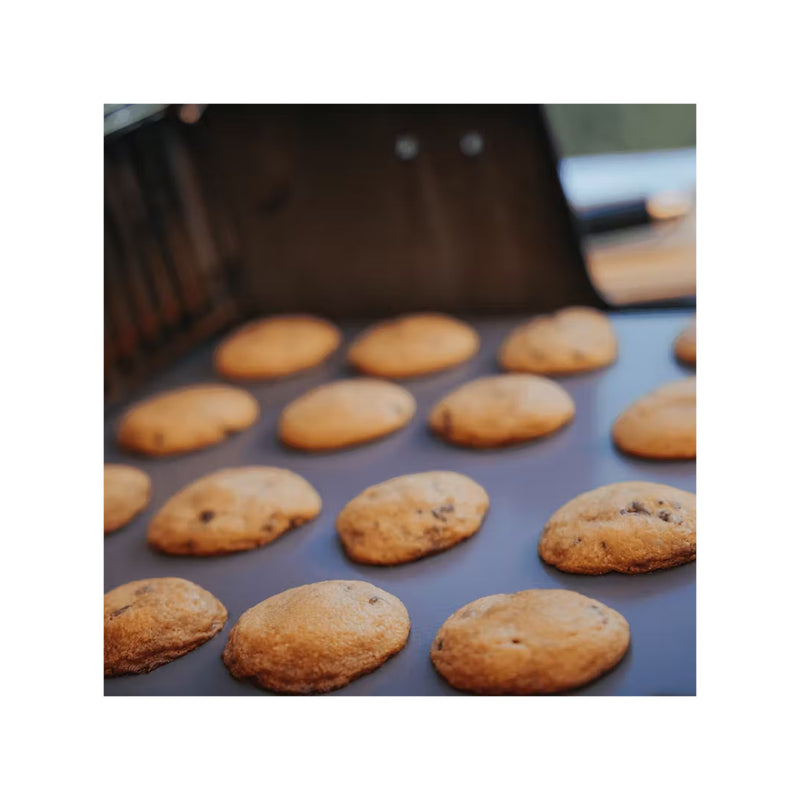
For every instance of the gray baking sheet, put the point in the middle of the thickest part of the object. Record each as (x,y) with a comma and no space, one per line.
(526,483)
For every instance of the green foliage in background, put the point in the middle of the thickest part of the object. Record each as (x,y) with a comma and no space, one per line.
(596,128)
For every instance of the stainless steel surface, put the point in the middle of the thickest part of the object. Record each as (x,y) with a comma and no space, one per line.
(525,484)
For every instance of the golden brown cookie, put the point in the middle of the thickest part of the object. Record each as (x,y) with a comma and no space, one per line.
(187,419)
(148,623)
(276,346)
(533,642)
(345,413)
(572,340)
(662,424)
(686,344)
(411,516)
(415,344)
(317,637)
(233,509)
(126,492)
(623,527)
(500,410)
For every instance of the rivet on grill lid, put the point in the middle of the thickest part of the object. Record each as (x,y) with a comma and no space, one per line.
(471,144)
(406,147)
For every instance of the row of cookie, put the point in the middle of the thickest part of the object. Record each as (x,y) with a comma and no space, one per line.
(321,636)
(491,411)
(623,527)
(571,340)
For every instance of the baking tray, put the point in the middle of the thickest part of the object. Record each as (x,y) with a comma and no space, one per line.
(526,483)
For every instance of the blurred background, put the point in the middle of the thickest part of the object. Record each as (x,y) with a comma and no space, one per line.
(217,213)
(629,172)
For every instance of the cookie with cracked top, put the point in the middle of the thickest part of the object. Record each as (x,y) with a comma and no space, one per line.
(186,419)
(233,509)
(628,527)
(575,339)
(276,346)
(537,641)
(411,516)
(150,622)
(317,637)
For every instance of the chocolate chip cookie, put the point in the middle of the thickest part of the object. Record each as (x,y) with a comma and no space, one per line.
(186,419)
(345,413)
(572,340)
(317,637)
(233,509)
(148,623)
(623,527)
(411,516)
(415,344)
(126,492)
(276,346)
(534,642)
(501,409)
(662,424)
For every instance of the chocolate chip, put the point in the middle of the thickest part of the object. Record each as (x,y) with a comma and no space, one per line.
(119,611)
(665,515)
(577,541)
(635,507)
(442,511)
(439,644)
(373,600)
(516,641)
(267,527)
(434,534)
(604,545)
(207,516)
(144,589)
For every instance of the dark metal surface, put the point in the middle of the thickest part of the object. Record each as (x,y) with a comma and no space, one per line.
(525,484)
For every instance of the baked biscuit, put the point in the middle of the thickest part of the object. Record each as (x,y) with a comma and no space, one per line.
(317,637)
(148,623)
(533,642)
(500,410)
(345,413)
(233,509)
(415,344)
(276,346)
(411,516)
(662,424)
(572,340)
(126,491)
(623,527)
(186,419)
(685,345)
